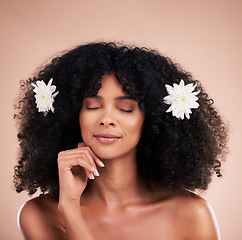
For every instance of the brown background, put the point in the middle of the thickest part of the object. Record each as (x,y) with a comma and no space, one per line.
(204,36)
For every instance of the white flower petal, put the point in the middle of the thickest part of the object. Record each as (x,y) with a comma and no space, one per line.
(194,105)
(34,85)
(168,99)
(190,87)
(169,109)
(169,89)
(41,84)
(196,93)
(52,88)
(187,115)
(54,95)
(177,87)
(50,82)
(182,84)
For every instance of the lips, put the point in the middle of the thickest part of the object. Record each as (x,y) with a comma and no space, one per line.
(106,138)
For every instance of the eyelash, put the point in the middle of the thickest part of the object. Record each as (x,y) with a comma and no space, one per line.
(122,110)
(92,108)
(126,111)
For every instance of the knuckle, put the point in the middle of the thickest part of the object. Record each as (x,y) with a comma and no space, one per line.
(59,158)
(88,148)
(80,158)
(86,151)
(59,154)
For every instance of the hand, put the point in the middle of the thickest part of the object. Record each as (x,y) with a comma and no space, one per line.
(75,167)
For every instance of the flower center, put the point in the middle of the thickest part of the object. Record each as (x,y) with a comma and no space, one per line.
(45,97)
(180,99)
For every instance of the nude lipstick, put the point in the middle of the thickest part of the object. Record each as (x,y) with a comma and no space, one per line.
(106,138)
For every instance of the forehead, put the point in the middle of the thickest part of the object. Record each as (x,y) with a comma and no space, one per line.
(110,86)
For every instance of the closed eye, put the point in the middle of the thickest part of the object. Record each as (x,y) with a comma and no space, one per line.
(127,111)
(95,108)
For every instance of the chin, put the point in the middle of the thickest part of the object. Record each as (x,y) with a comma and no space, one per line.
(109,153)
(103,154)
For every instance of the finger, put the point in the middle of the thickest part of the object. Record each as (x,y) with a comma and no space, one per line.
(68,164)
(96,159)
(94,156)
(90,174)
(84,153)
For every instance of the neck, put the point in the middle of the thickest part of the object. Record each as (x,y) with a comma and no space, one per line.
(118,184)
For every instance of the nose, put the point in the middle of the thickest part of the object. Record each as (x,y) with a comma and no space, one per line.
(108,120)
(107,124)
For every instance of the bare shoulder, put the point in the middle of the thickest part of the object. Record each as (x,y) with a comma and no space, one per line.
(39,218)
(195,216)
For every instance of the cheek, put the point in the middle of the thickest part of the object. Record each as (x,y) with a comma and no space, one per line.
(86,123)
(135,125)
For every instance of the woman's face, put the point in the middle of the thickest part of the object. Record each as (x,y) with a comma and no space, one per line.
(111,122)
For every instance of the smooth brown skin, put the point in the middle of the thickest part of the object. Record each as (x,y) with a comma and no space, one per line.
(115,205)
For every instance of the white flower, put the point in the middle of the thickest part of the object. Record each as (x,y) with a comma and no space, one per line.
(182,99)
(43,96)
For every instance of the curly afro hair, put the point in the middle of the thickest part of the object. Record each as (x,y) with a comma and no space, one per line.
(172,153)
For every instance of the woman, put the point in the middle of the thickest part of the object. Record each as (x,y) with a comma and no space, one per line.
(116,138)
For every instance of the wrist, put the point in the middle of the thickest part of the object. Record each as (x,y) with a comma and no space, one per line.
(74,221)
(69,205)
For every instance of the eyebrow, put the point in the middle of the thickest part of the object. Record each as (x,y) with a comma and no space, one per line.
(117,98)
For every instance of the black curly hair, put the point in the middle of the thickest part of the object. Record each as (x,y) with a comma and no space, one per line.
(172,153)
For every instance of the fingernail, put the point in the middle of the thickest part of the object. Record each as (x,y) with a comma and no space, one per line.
(102,164)
(92,176)
(96,173)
